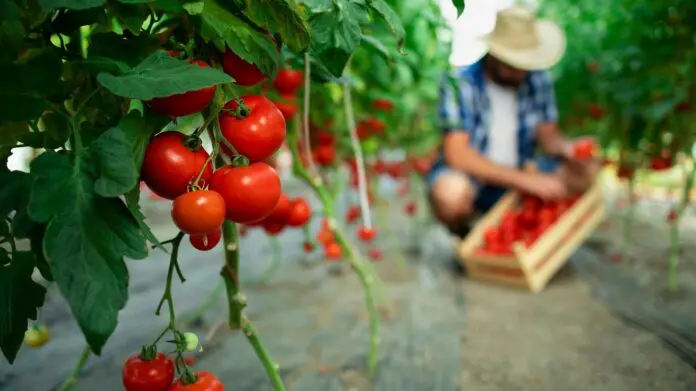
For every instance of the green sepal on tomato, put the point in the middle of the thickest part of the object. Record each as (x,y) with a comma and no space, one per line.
(258,135)
(172,162)
(250,192)
(142,373)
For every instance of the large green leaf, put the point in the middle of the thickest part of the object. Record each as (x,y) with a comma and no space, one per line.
(138,130)
(225,29)
(160,75)
(23,84)
(20,299)
(459,5)
(82,4)
(281,16)
(133,204)
(392,20)
(336,33)
(88,235)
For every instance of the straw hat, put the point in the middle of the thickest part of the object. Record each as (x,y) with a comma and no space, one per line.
(524,42)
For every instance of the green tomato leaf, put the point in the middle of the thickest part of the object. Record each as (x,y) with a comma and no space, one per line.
(113,157)
(194,8)
(69,21)
(14,196)
(317,5)
(392,20)
(138,131)
(375,44)
(120,50)
(223,28)
(70,4)
(20,299)
(161,75)
(133,204)
(281,16)
(87,236)
(459,5)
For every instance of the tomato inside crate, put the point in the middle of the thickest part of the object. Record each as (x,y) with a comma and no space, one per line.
(525,224)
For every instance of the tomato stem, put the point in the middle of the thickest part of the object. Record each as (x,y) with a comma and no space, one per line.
(366,275)
(362,181)
(305,116)
(70,382)
(230,274)
(167,295)
(272,369)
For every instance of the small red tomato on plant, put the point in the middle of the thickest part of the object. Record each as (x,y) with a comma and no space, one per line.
(333,251)
(204,381)
(308,247)
(250,192)
(148,373)
(352,214)
(300,212)
(596,111)
(375,254)
(288,81)
(325,237)
(273,229)
(198,212)
(366,234)
(280,212)
(672,216)
(287,106)
(206,241)
(410,208)
(172,161)
(188,103)
(382,104)
(325,138)
(584,149)
(257,135)
(243,73)
(325,155)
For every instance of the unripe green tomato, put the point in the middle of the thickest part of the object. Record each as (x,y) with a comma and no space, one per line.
(370,145)
(37,336)
(192,342)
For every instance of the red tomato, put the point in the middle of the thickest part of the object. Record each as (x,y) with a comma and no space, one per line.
(625,171)
(288,107)
(367,234)
(288,81)
(546,216)
(325,155)
(250,192)
(363,131)
(383,105)
(198,212)
(148,375)
(659,163)
(325,237)
(280,212)
(531,203)
(244,74)
(491,236)
(205,381)
(308,247)
(325,138)
(333,251)
(188,103)
(273,229)
(257,136)
(169,165)
(672,216)
(375,254)
(596,111)
(352,214)
(376,124)
(300,212)
(207,241)
(584,149)
(410,208)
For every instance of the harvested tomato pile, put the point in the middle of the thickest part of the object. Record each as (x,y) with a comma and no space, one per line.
(525,224)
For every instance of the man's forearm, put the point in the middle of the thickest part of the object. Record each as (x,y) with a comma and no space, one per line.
(484,170)
(552,141)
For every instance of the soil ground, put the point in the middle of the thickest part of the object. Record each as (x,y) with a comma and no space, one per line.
(598,326)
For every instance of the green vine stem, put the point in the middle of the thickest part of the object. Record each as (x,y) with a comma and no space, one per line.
(72,379)
(366,275)
(355,142)
(237,302)
(674,235)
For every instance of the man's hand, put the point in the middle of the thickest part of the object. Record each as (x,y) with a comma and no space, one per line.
(548,187)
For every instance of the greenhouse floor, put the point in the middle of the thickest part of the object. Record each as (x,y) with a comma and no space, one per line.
(440,331)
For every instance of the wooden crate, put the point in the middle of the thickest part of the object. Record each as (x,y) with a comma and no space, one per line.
(532,268)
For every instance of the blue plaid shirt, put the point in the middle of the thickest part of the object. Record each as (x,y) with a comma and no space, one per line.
(464,106)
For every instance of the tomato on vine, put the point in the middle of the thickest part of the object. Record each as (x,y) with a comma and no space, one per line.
(204,381)
(257,134)
(287,106)
(148,373)
(308,247)
(325,155)
(172,161)
(36,336)
(583,149)
(180,105)
(288,81)
(243,73)
(198,212)
(300,212)
(280,212)
(206,241)
(367,234)
(382,104)
(250,192)
(273,229)
(333,251)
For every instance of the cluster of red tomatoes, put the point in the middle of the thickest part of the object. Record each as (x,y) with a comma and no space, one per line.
(287,213)
(525,224)
(157,373)
(287,83)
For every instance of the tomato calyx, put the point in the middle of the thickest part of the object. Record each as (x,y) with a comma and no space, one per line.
(148,352)
(240,111)
(193,143)
(240,161)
